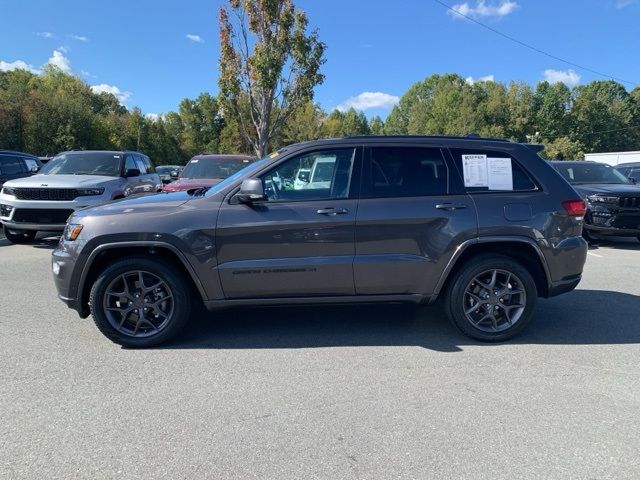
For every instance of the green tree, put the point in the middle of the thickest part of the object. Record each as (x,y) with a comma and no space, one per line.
(563,148)
(376,126)
(267,56)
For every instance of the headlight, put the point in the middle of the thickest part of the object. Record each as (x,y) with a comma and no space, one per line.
(71,231)
(85,192)
(602,199)
(9,191)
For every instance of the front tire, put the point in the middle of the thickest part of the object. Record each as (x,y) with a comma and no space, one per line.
(19,236)
(140,302)
(492,298)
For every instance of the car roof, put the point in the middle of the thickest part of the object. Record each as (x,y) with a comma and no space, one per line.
(222,156)
(114,152)
(575,162)
(14,152)
(628,164)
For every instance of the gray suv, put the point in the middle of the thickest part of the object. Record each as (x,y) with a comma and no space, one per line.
(69,182)
(485,225)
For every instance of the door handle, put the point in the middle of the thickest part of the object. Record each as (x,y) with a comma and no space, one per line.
(332,211)
(450,206)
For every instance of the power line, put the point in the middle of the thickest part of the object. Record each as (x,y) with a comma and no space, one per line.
(531,47)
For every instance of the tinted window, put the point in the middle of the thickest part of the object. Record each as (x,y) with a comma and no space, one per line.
(634,173)
(520,180)
(12,165)
(148,164)
(141,164)
(407,172)
(130,163)
(328,176)
(590,172)
(79,163)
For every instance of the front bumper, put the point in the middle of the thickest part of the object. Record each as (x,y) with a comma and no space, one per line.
(50,216)
(613,220)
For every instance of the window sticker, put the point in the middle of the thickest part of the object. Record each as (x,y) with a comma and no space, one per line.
(499,174)
(475,170)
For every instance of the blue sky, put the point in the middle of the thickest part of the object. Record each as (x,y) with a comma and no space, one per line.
(140,49)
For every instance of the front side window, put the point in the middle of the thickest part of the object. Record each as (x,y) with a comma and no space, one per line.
(634,173)
(80,163)
(407,172)
(141,165)
(11,165)
(487,171)
(313,176)
(130,164)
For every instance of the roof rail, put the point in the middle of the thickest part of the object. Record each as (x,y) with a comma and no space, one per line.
(471,136)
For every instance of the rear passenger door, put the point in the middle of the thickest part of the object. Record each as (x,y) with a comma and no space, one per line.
(12,167)
(411,218)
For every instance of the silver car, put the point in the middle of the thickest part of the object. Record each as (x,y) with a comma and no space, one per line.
(69,182)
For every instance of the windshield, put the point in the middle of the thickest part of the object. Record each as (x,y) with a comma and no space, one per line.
(166,169)
(212,168)
(94,163)
(590,173)
(252,167)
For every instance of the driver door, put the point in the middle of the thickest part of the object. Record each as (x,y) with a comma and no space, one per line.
(299,241)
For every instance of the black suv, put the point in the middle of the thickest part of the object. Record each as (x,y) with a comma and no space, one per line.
(15,165)
(486,225)
(613,202)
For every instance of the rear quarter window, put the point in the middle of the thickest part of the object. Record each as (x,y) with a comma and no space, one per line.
(494,179)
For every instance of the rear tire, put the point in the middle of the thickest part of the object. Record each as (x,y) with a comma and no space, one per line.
(140,302)
(488,306)
(19,236)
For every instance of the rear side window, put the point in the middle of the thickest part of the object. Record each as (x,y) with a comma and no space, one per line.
(491,171)
(12,165)
(148,164)
(406,172)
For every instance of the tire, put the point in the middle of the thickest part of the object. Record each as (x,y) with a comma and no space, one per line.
(467,290)
(117,310)
(19,236)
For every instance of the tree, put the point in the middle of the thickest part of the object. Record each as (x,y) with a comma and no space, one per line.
(267,56)
(376,126)
(563,148)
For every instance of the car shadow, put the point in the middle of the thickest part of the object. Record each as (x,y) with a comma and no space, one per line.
(44,241)
(616,244)
(582,317)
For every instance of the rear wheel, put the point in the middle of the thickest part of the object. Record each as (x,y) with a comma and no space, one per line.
(140,302)
(492,298)
(19,236)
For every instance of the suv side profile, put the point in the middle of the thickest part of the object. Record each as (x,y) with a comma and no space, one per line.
(69,182)
(486,225)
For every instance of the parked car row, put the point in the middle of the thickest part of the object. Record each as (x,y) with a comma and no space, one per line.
(485,225)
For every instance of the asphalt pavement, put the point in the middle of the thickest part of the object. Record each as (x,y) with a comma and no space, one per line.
(358,392)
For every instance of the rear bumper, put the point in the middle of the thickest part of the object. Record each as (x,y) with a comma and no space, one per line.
(565,286)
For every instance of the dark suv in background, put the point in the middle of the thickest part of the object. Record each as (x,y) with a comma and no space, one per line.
(613,201)
(15,165)
(485,225)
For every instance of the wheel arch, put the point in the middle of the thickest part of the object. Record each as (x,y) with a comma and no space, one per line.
(522,249)
(105,254)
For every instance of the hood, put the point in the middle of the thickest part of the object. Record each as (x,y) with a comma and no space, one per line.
(61,181)
(142,204)
(189,183)
(609,189)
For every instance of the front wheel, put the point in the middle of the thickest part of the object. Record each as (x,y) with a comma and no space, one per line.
(492,298)
(140,302)
(19,236)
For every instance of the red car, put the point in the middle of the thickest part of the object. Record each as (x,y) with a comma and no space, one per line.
(207,170)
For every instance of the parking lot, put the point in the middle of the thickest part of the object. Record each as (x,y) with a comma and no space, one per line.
(323,392)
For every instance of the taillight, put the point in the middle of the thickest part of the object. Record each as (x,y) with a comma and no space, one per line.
(575,208)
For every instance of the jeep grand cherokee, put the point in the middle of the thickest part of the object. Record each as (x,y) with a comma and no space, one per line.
(486,225)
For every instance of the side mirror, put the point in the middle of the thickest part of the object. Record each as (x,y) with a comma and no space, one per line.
(633,180)
(251,190)
(174,174)
(35,169)
(132,172)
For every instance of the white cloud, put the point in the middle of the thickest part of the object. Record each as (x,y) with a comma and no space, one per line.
(112,89)
(624,3)
(195,38)
(482,10)
(18,64)
(79,38)
(487,78)
(367,100)
(64,49)
(152,116)
(44,34)
(59,60)
(568,77)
